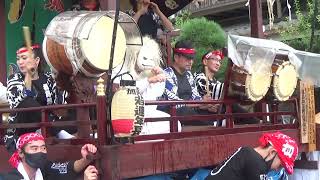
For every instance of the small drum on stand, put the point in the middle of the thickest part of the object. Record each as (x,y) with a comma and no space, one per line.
(285,78)
(80,41)
(249,86)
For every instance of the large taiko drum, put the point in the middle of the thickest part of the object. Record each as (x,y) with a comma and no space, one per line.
(285,78)
(81,42)
(247,85)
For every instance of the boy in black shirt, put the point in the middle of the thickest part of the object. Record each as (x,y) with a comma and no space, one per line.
(275,150)
(30,161)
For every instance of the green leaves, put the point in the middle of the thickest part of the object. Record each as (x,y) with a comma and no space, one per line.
(298,35)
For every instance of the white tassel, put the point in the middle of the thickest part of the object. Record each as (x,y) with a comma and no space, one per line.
(289,8)
(271,15)
(248,5)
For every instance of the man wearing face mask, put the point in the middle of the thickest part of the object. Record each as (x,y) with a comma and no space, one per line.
(275,150)
(31,163)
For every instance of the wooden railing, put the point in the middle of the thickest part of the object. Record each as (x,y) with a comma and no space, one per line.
(103,126)
(118,161)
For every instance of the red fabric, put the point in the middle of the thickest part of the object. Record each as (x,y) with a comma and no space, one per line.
(215,52)
(90,5)
(22,141)
(122,125)
(184,51)
(23,50)
(285,146)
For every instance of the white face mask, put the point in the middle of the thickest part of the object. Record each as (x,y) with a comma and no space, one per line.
(146,59)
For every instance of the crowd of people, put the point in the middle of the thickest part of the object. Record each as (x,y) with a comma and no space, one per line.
(33,87)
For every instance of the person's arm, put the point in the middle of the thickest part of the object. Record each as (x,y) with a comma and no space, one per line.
(3,91)
(16,90)
(200,82)
(171,86)
(145,83)
(139,13)
(195,93)
(80,164)
(165,21)
(91,173)
(28,81)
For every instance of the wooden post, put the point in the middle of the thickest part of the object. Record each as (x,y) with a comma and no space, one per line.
(225,94)
(44,118)
(307,115)
(101,112)
(311,119)
(274,108)
(256,19)
(3,67)
(229,120)
(174,120)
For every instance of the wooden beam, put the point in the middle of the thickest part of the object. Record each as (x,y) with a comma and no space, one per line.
(3,67)
(141,159)
(256,19)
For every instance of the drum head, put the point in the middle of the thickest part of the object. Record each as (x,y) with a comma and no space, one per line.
(97,47)
(285,81)
(257,85)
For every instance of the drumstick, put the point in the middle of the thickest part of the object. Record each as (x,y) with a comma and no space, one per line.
(27,39)
(207,85)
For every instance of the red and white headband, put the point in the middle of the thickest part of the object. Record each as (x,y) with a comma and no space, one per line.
(215,52)
(184,50)
(22,141)
(24,49)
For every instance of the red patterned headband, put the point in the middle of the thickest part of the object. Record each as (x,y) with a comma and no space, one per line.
(24,49)
(215,52)
(184,51)
(22,141)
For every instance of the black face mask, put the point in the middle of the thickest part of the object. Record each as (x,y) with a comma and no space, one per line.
(36,160)
(269,162)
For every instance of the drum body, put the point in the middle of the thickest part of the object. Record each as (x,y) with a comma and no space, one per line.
(285,78)
(249,86)
(81,42)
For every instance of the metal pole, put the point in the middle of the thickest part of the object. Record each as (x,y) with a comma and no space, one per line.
(109,83)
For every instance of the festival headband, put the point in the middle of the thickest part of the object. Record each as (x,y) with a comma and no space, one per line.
(215,52)
(22,141)
(184,50)
(285,146)
(23,50)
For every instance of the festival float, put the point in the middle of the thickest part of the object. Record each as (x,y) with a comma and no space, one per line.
(87,47)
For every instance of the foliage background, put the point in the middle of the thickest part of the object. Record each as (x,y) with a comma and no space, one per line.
(298,35)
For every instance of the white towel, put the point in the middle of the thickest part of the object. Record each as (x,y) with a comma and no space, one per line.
(25,175)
